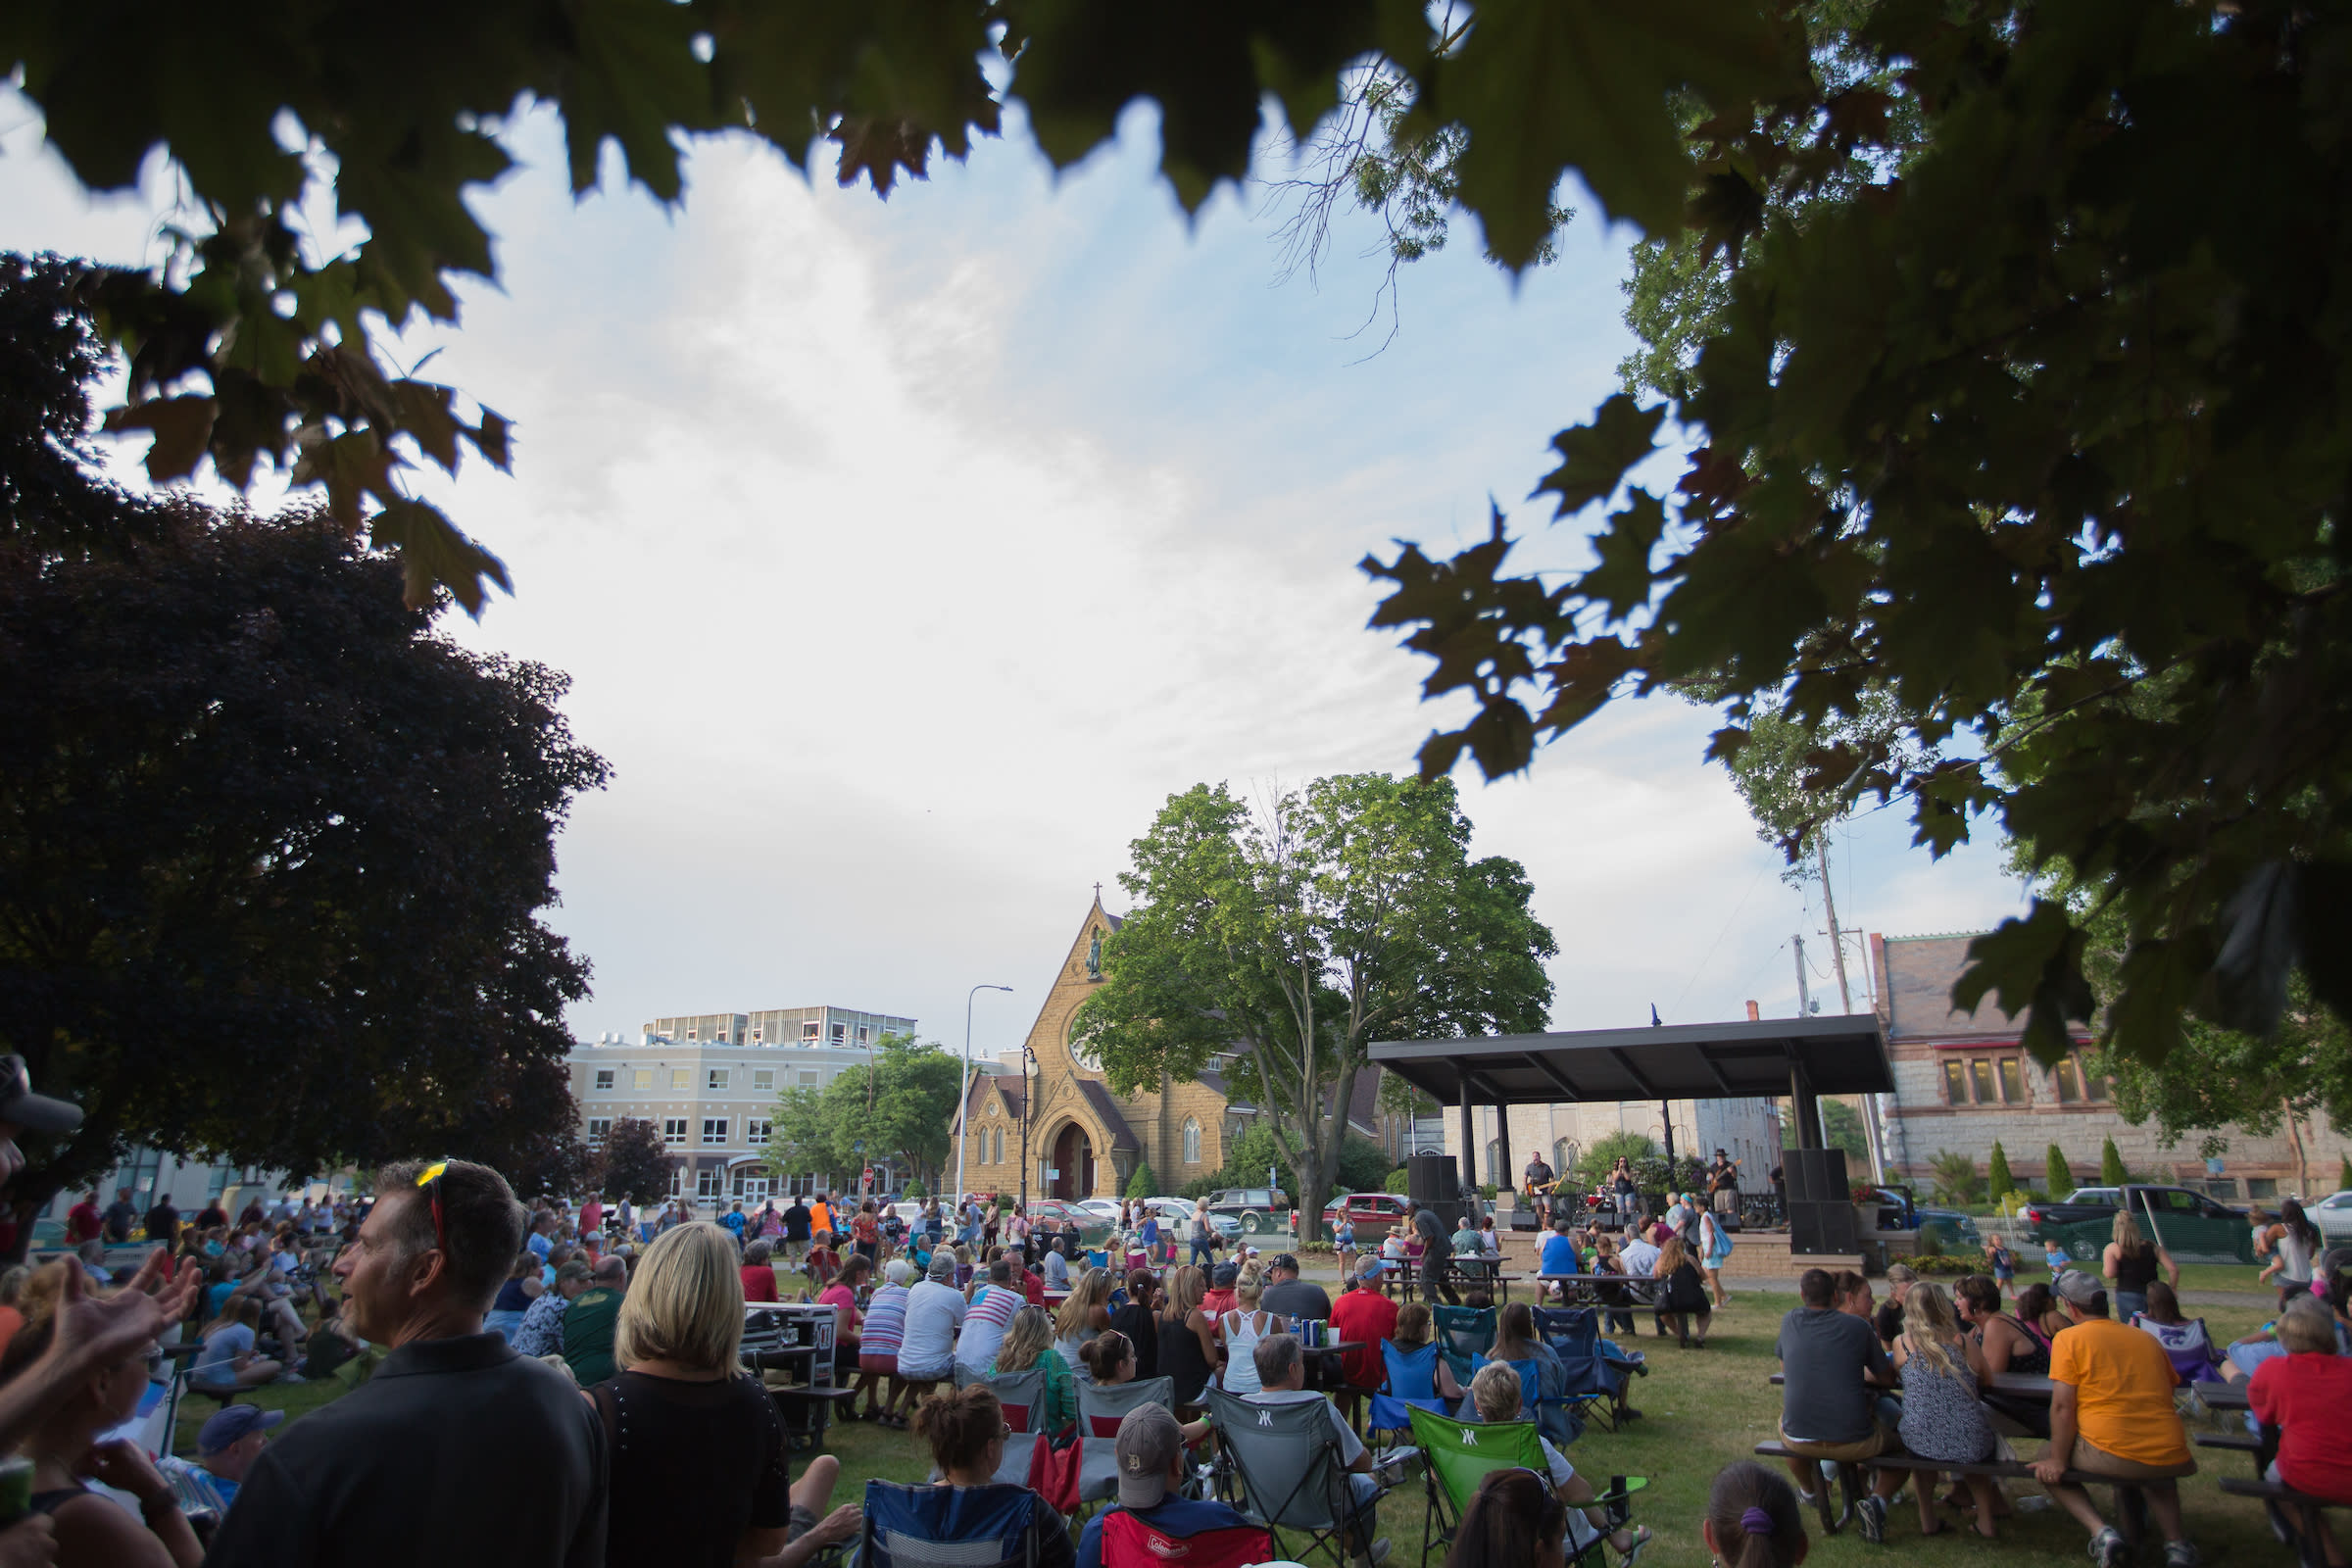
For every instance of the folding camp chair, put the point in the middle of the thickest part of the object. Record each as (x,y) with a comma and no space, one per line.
(1412,1381)
(950,1527)
(1455,1457)
(1596,1381)
(1282,1468)
(1128,1540)
(1553,1416)
(1464,1334)
(1101,1408)
(1023,1395)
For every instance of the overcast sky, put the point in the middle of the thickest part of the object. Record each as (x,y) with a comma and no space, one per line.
(906,555)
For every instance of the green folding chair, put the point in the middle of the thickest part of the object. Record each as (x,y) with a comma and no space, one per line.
(1457,1455)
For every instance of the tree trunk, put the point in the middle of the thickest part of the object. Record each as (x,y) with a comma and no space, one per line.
(2294,1137)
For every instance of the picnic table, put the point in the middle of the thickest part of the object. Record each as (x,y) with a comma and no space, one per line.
(1463,1274)
(1640,1285)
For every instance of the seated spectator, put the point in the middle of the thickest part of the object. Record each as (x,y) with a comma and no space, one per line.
(1514,1519)
(1280,1380)
(1363,1316)
(2111,1414)
(848,1327)
(1139,1320)
(591,1320)
(542,1330)
(1243,1330)
(1941,1419)
(1083,1314)
(91,1529)
(1417,1331)
(685,1420)
(229,1360)
(885,1332)
(1469,1252)
(1516,1340)
(1753,1519)
(1188,1338)
(1499,1397)
(758,1273)
(1616,1298)
(992,1306)
(1683,1298)
(1108,1358)
(332,1344)
(2039,1312)
(1219,1299)
(1028,1346)
(935,1313)
(823,1261)
(11,1300)
(1057,1267)
(2307,1395)
(1888,1320)
(514,1298)
(2187,1343)
(2334,1271)
(1830,1362)
(227,1444)
(1560,1255)
(1289,1296)
(2003,1344)
(1851,1293)
(964,1429)
(1150,1449)
(1639,1259)
(456,1451)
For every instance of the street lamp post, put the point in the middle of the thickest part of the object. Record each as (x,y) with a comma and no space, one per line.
(1028,1061)
(964,1102)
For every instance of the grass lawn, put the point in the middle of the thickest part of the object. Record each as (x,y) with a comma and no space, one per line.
(2193,1276)
(1701,1411)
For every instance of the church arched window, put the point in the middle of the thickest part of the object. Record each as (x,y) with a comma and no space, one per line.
(1496,1176)
(1563,1157)
(1191,1142)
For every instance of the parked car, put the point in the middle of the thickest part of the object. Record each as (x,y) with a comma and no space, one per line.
(1053,1212)
(1376,1211)
(1261,1210)
(2332,1214)
(1176,1217)
(2193,1227)
(1895,1209)
(1108,1208)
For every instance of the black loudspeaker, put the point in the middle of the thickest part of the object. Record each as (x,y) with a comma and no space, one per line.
(1816,1176)
(1448,1210)
(1524,1219)
(1817,1228)
(1432,1178)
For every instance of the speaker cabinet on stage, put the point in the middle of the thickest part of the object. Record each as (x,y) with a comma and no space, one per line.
(1816,1176)
(1432,1179)
(1817,1228)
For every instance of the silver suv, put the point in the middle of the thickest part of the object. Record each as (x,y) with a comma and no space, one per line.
(1259,1210)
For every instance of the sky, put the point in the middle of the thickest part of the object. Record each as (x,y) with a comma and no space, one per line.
(906,555)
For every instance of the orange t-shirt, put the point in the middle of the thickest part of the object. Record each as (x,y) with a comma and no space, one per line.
(2123,1390)
(821,1220)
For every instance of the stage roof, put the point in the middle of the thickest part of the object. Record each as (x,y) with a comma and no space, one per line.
(1743,1060)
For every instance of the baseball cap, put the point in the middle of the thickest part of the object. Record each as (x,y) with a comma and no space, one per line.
(36,1113)
(2078,1286)
(1226,1276)
(943,1264)
(1148,1443)
(899,1272)
(1283,1260)
(234,1422)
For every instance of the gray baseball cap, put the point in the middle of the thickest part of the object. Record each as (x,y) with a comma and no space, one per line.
(1148,1443)
(2078,1286)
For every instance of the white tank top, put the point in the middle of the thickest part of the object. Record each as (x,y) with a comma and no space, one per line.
(1241,1334)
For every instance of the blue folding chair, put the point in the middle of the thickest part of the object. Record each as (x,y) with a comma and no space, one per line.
(1552,1415)
(1596,1380)
(1412,1382)
(952,1527)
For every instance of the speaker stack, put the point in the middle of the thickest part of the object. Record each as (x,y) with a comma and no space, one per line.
(1435,1182)
(1821,1210)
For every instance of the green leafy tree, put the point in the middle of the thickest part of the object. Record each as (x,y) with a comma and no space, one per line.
(1143,1184)
(1997,1180)
(2111,1165)
(1400,1182)
(1600,1156)
(1840,1128)
(1956,1179)
(2057,1176)
(901,1105)
(2343,1173)
(638,1168)
(1283,945)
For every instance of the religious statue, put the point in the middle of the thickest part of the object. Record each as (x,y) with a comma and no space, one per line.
(1094,955)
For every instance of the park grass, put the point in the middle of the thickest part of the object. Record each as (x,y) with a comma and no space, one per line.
(1703,1411)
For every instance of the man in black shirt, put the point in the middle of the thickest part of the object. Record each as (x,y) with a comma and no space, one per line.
(162,1221)
(1437,1250)
(457,1452)
(1294,1297)
(796,1228)
(119,1215)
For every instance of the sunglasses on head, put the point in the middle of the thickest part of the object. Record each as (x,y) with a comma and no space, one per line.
(429,1180)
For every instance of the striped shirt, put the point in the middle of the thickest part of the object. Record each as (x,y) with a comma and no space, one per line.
(983,1325)
(885,1322)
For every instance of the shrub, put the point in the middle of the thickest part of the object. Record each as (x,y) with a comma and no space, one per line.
(2111,1165)
(1314,1249)
(1143,1184)
(1941,1263)
(2343,1174)
(2060,1177)
(1997,1180)
(1956,1179)
(1399,1183)
(1930,1243)
(916,1190)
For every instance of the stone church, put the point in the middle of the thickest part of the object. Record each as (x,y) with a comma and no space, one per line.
(1083,1139)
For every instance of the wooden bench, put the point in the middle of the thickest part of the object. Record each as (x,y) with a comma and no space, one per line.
(2287,1505)
(2131,1502)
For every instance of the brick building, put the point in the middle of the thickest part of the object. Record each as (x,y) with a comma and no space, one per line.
(1963,1080)
(1083,1139)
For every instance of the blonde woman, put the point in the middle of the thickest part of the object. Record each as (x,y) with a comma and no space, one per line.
(1941,1371)
(1188,1341)
(681,1416)
(1242,1329)
(1083,1314)
(1683,1300)
(1029,1345)
(2130,1262)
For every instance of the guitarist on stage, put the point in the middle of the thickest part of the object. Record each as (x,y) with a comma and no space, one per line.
(1723,1182)
(1539,1187)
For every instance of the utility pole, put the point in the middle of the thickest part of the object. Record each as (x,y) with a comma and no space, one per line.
(1845,996)
(1804,990)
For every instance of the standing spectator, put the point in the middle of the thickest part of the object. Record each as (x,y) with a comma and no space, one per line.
(1622,1188)
(541,1331)
(592,1215)
(885,1334)
(964,1430)
(1149,1451)
(1146,1234)
(83,1221)
(1292,1296)
(684,1421)
(797,1220)
(1752,1520)
(759,1274)
(1830,1361)
(398,1470)
(2111,1414)
(252,1213)
(1941,1419)
(1204,1238)
(1365,1316)
(1139,1320)
(2129,1263)
(865,1234)
(2054,1256)
(541,1238)
(2294,1242)
(592,1319)
(2003,1262)
(227,1444)
(119,1215)
(1279,1377)
(935,1312)
(162,1222)
(2307,1395)
(211,1217)
(992,1310)
(1435,1251)
(1713,1252)
(733,1222)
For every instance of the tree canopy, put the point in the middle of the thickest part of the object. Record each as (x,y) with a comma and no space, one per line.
(638,1166)
(1277,946)
(902,1106)
(272,853)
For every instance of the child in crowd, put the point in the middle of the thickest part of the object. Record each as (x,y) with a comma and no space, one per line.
(823,1261)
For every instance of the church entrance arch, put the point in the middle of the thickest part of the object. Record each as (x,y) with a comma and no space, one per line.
(1073,1163)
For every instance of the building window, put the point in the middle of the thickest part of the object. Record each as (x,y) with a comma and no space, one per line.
(841,1034)
(714,1129)
(603,1077)
(999,1157)
(2013,1081)
(1191,1142)
(1496,1176)
(706,1184)
(673,1129)
(680,1080)
(755,1130)
(599,1127)
(807,1078)
(863,1032)
(1980,1078)
(1955,1083)
(715,1078)
(677,1180)
(765,1078)
(1563,1158)
(2261,1187)
(756,1031)
(809,1031)
(644,1078)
